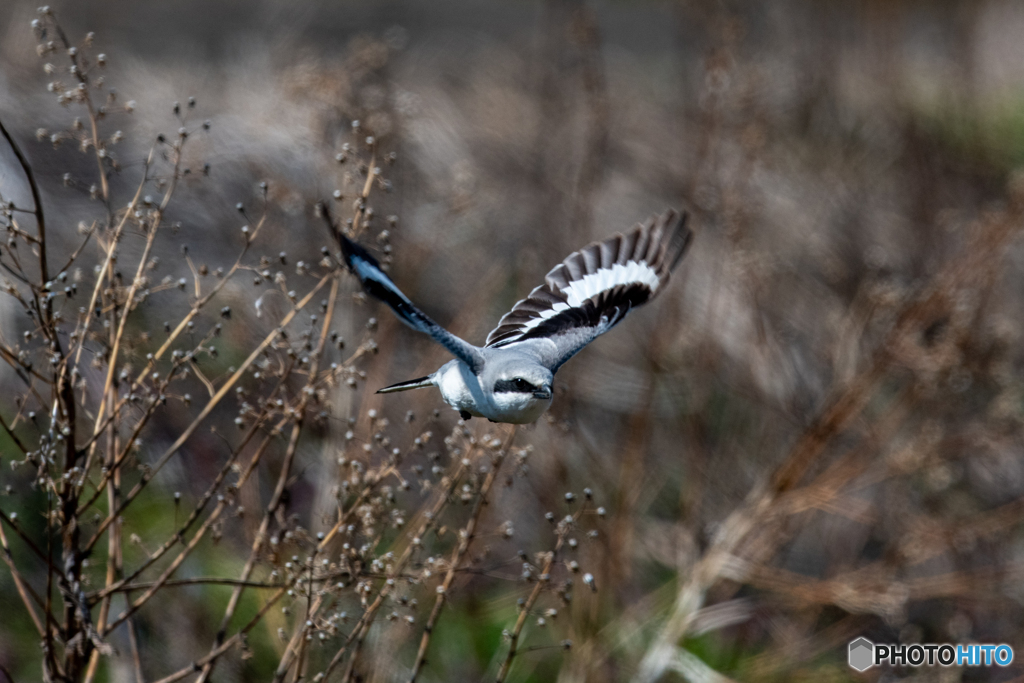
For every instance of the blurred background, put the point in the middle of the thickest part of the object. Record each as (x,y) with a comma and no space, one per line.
(813,434)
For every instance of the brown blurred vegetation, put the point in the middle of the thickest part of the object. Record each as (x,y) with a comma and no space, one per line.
(815,434)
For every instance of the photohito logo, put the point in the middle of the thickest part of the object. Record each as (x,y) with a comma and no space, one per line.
(862,654)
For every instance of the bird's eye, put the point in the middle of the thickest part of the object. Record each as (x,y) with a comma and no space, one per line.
(522,384)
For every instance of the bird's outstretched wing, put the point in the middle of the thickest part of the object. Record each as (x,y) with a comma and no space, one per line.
(379,285)
(593,289)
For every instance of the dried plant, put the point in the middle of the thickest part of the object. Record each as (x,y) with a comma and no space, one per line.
(815,437)
(99,381)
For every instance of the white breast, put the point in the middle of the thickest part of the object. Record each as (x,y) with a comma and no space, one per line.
(461,389)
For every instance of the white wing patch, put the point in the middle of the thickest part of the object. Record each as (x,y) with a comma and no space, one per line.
(609,278)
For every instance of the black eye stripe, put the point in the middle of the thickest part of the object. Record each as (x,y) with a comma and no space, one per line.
(516,386)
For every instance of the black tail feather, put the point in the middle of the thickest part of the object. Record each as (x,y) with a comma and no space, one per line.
(408,384)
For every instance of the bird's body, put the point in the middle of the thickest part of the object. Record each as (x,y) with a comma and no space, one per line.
(510,378)
(468,393)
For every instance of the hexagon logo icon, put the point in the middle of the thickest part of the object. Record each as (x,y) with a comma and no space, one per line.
(861,654)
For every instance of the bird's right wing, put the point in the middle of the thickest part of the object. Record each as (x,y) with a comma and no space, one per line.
(593,289)
(379,285)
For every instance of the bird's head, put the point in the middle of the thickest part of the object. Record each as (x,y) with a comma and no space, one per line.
(523,387)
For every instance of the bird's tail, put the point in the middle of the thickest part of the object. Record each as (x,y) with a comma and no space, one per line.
(419,383)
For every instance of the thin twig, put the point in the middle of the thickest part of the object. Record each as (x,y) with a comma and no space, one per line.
(207,409)
(279,489)
(24,590)
(466,537)
(37,201)
(430,520)
(542,582)
(228,644)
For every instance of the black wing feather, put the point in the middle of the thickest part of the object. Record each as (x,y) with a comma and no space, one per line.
(376,283)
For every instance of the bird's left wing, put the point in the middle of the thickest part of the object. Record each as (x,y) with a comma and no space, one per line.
(379,285)
(593,289)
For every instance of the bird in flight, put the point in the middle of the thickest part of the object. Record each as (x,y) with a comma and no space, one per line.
(509,379)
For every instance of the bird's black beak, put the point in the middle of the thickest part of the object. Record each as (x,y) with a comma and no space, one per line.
(544,393)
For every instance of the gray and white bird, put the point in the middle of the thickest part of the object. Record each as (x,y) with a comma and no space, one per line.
(509,379)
